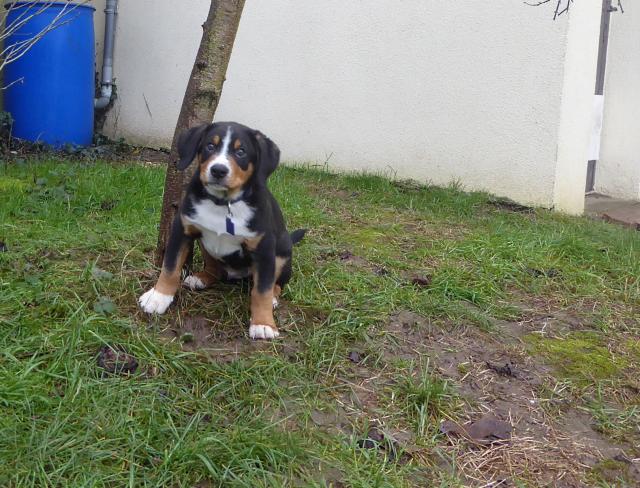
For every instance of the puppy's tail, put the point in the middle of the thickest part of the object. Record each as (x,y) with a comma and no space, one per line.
(297,235)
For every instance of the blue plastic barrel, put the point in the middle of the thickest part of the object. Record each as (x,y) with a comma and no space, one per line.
(51,90)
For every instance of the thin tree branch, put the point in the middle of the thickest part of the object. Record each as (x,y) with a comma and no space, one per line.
(19,80)
(559,10)
(28,11)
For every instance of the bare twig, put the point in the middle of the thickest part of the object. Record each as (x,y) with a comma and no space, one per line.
(560,9)
(26,12)
(19,80)
(537,4)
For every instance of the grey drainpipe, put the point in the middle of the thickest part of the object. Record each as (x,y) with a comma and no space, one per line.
(106,82)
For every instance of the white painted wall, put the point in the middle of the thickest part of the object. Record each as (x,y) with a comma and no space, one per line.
(466,90)
(618,170)
(98,23)
(576,117)
(156,43)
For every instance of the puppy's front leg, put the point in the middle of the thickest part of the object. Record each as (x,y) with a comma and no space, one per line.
(158,298)
(263,325)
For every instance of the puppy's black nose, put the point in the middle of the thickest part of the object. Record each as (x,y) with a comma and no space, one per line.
(219,171)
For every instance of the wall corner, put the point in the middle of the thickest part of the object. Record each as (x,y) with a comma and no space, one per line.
(577,106)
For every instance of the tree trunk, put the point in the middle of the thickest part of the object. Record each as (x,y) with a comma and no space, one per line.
(200,100)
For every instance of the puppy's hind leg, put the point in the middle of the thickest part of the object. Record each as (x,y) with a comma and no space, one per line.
(211,273)
(283,274)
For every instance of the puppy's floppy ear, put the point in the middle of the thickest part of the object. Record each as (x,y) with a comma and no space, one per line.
(268,155)
(188,145)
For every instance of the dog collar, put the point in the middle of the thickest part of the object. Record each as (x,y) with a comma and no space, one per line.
(222,202)
(229,225)
(225,201)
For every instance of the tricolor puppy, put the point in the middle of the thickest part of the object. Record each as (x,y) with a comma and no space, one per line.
(239,224)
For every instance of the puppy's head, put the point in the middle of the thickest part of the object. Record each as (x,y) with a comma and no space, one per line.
(230,156)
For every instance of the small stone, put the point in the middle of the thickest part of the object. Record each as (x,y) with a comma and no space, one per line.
(355,357)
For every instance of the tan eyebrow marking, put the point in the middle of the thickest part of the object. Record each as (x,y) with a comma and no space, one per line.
(216,139)
(237,144)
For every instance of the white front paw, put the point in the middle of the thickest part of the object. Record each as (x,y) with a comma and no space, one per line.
(263,332)
(155,302)
(194,283)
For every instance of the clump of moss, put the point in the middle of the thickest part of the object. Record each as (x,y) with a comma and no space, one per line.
(611,471)
(580,356)
(633,347)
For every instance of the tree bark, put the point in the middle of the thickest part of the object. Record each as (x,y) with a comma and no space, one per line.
(200,100)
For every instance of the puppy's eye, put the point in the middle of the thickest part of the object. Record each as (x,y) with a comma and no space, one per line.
(240,153)
(211,146)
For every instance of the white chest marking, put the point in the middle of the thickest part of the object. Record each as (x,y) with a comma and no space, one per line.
(211,220)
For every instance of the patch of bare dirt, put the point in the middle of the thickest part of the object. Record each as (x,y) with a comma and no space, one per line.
(223,344)
(203,335)
(495,376)
(547,320)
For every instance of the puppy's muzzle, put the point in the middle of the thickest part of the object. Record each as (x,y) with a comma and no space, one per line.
(218,172)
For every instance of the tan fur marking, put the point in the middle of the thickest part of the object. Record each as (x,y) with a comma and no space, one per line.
(252,243)
(204,177)
(238,176)
(212,271)
(189,230)
(237,144)
(262,309)
(169,280)
(216,139)
(280,262)
(261,305)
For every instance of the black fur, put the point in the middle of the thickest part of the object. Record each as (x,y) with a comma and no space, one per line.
(188,145)
(263,154)
(297,235)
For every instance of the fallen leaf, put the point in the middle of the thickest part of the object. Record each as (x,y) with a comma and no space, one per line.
(451,427)
(486,430)
(116,360)
(108,204)
(346,256)
(374,439)
(380,270)
(422,281)
(506,370)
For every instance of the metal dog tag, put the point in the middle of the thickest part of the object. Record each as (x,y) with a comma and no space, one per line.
(230,227)
(229,223)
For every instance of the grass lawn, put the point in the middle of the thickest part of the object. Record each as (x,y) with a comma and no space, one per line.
(409,306)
